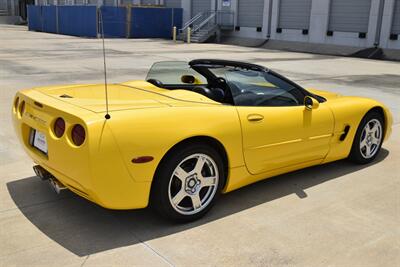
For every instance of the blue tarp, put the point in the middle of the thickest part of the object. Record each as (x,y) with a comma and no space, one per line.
(77,20)
(34,18)
(49,19)
(154,22)
(114,19)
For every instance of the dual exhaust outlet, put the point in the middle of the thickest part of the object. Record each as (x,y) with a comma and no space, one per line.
(46,176)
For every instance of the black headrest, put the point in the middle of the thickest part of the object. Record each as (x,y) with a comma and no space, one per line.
(215,94)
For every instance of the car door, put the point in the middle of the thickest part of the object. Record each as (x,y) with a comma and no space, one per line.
(277,129)
(277,137)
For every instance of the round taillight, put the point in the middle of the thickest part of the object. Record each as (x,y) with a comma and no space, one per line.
(22,108)
(78,134)
(59,127)
(16,102)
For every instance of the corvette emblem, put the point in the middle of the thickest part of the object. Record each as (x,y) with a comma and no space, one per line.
(35,118)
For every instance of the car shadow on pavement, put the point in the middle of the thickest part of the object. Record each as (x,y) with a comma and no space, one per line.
(85,228)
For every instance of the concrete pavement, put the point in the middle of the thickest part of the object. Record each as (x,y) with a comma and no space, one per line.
(339,214)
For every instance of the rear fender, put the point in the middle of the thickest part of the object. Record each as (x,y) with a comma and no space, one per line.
(155,131)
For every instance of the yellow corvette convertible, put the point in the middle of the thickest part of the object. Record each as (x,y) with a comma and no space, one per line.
(188,133)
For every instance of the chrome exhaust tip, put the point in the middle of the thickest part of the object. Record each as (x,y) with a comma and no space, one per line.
(56,185)
(41,172)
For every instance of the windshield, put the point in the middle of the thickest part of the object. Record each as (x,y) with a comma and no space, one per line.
(258,88)
(170,72)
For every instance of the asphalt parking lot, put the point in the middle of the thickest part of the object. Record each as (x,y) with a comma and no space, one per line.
(338,214)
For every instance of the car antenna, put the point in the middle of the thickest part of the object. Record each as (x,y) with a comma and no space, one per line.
(107,116)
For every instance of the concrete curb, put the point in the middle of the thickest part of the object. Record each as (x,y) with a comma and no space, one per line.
(324,49)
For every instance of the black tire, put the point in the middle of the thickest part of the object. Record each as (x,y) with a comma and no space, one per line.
(161,200)
(356,153)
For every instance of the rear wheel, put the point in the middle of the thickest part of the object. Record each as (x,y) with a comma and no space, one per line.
(368,140)
(188,182)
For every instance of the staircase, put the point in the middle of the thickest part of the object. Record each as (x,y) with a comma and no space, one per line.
(3,12)
(205,25)
(204,34)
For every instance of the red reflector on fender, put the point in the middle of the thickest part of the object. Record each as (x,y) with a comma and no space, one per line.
(143,159)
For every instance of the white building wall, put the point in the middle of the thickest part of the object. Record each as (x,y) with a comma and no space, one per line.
(319,21)
(387,20)
(187,7)
(249,32)
(286,34)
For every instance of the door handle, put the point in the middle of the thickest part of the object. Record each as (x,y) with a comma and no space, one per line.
(255,117)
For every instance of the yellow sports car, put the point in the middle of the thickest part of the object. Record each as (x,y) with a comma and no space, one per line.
(188,133)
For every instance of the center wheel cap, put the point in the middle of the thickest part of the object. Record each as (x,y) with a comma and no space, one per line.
(192,184)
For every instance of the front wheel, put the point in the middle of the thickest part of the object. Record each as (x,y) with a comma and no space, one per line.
(368,139)
(188,182)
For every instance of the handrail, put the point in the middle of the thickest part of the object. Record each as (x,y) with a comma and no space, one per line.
(210,17)
(203,19)
(190,22)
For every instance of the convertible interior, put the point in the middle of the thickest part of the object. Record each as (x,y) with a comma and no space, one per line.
(229,82)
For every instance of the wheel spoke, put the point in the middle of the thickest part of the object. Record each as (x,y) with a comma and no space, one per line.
(208,181)
(196,201)
(367,151)
(374,128)
(179,197)
(375,141)
(371,138)
(199,165)
(363,143)
(184,195)
(181,173)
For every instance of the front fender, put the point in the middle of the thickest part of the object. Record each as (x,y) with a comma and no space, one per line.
(349,111)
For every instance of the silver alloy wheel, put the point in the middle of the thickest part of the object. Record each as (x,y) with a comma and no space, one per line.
(193,184)
(371,138)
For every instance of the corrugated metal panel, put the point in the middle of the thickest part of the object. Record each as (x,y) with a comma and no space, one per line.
(154,22)
(126,2)
(173,3)
(148,2)
(78,20)
(114,19)
(93,2)
(294,14)
(49,19)
(349,15)
(35,18)
(396,18)
(250,13)
(3,5)
(199,6)
(61,2)
(109,2)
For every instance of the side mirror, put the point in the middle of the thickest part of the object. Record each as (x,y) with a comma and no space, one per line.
(188,79)
(311,103)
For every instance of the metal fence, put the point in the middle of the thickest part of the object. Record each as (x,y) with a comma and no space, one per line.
(92,2)
(116,22)
(9,8)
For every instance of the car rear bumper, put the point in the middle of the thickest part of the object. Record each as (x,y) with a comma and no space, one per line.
(95,170)
(133,197)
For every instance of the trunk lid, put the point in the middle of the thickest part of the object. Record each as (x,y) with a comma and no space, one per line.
(92,97)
